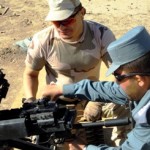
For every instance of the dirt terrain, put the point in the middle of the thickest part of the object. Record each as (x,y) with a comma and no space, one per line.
(21,19)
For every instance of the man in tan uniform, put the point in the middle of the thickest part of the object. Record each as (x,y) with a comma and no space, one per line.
(70,49)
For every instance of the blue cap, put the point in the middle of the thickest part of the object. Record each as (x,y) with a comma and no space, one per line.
(131,46)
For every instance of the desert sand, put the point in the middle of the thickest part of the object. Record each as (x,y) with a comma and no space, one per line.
(21,19)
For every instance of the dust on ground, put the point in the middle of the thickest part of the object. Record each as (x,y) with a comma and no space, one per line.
(21,19)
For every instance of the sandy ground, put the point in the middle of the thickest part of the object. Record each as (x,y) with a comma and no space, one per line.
(21,19)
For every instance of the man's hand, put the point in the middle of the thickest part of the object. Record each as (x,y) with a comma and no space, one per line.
(77,144)
(53,90)
(93,111)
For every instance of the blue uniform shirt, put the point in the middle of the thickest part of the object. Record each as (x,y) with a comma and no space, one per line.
(139,137)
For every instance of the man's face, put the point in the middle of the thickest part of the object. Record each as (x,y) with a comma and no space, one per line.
(130,84)
(70,28)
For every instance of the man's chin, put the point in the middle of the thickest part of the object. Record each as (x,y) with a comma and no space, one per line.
(66,37)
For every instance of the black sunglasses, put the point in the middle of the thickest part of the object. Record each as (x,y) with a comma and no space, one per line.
(122,77)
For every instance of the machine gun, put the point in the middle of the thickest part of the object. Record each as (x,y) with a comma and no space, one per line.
(44,118)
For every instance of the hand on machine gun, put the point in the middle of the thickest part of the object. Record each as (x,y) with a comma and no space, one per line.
(53,90)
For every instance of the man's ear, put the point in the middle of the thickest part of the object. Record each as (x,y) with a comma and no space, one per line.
(141,80)
(83,11)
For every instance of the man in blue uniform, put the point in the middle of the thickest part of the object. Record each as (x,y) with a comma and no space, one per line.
(130,56)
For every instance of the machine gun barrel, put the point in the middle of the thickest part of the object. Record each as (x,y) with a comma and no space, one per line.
(106,123)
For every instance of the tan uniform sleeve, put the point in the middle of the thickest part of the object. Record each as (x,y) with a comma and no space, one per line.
(107,38)
(35,58)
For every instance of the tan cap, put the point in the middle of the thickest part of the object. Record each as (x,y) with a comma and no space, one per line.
(61,9)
